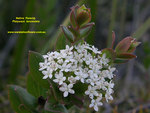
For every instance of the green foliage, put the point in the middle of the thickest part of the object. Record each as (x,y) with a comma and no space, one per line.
(34,60)
(34,87)
(126,56)
(120,61)
(69,35)
(21,100)
(85,30)
(59,108)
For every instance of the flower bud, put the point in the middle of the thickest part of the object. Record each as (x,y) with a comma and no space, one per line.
(124,50)
(80,16)
(83,15)
(127,45)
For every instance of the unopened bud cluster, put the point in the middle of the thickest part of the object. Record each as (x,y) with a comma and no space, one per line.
(80,63)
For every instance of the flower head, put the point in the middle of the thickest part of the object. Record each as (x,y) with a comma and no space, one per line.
(80,63)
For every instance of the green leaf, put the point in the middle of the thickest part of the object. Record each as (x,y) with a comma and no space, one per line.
(75,32)
(84,31)
(69,35)
(34,60)
(34,87)
(120,61)
(59,108)
(21,100)
(56,95)
(62,43)
(126,56)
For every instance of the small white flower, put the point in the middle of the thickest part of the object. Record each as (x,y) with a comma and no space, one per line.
(63,53)
(91,92)
(65,67)
(108,97)
(47,74)
(54,66)
(69,59)
(72,80)
(93,80)
(66,89)
(60,61)
(59,78)
(43,65)
(55,55)
(68,50)
(95,50)
(96,103)
(78,57)
(104,60)
(80,75)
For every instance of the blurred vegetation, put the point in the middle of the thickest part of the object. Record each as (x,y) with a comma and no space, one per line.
(125,17)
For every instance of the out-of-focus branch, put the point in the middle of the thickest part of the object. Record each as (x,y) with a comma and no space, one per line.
(7,48)
(142,29)
(145,106)
(112,21)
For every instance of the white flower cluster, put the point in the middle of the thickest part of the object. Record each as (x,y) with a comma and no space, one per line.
(82,63)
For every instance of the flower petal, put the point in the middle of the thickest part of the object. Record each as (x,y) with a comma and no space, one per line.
(65,94)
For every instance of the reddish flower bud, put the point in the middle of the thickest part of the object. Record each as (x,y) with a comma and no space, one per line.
(124,45)
(83,15)
(133,46)
(127,45)
(73,16)
(79,16)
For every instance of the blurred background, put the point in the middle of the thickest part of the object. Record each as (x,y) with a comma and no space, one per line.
(125,17)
